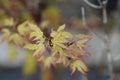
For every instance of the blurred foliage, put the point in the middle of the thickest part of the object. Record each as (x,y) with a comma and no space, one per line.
(30,64)
(52,13)
(13,53)
(10,33)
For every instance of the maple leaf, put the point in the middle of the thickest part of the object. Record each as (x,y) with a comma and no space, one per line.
(48,61)
(31,46)
(40,50)
(17,39)
(82,43)
(5,33)
(74,52)
(60,28)
(67,34)
(23,28)
(36,34)
(79,65)
(59,38)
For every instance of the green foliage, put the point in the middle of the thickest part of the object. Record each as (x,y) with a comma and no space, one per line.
(10,34)
(17,39)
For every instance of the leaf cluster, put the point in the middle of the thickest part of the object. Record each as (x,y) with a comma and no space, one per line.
(60,47)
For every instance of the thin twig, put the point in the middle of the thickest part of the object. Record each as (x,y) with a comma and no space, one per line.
(104,15)
(101,6)
(92,5)
(83,16)
(105,2)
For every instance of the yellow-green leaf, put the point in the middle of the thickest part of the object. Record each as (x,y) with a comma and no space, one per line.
(8,22)
(34,27)
(62,46)
(59,40)
(61,28)
(48,61)
(53,34)
(81,36)
(67,35)
(17,39)
(31,46)
(39,50)
(23,28)
(5,33)
(36,34)
(78,65)
(44,23)
(58,49)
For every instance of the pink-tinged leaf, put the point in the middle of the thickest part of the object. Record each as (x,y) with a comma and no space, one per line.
(53,34)
(39,50)
(40,58)
(78,65)
(48,61)
(67,35)
(62,46)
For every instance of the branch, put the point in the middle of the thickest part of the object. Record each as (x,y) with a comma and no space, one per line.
(105,2)
(83,16)
(92,5)
(102,6)
(105,20)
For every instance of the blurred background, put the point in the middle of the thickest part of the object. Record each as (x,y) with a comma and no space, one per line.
(100,19)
